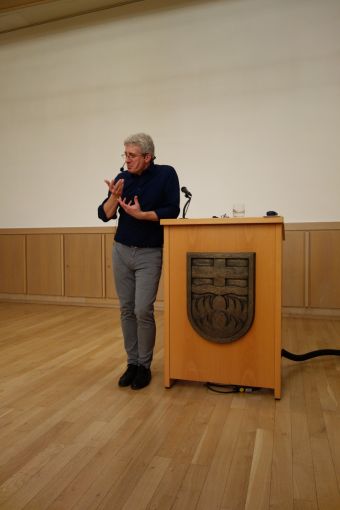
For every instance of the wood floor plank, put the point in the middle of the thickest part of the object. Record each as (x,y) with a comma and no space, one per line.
(147,484)
(71,439)
(282,491)
(213,488)
(41,477)
(326,483)
(332,421)
(139,452)
(236,488)
(300,504)
(86,489)
(211,434)
(189,492)
(303,470)
(259,481)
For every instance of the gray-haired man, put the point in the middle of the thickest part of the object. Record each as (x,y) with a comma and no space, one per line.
(143,194)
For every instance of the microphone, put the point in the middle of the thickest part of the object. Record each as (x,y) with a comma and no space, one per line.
(186,192)
(187,195)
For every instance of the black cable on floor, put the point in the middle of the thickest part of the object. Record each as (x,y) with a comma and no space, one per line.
(309,355)
(230,388)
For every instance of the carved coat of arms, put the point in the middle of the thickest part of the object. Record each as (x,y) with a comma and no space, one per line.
(221,294)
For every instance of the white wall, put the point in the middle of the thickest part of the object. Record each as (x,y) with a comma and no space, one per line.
(241,96)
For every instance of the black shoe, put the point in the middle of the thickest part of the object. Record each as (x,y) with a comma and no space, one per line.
(128,376)
(142,379)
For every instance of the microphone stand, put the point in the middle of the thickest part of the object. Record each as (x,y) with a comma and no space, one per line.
(186,206)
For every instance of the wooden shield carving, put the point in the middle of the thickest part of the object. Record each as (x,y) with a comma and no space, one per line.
(221,294)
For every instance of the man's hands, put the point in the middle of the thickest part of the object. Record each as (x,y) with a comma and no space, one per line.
(115,189)
(111,205)
(133,209)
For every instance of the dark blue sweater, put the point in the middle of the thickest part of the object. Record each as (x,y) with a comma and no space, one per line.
(157,189)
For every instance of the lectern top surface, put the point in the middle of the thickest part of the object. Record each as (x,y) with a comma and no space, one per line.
(224,221)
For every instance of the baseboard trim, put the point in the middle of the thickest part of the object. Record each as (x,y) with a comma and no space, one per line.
(310,313)
(67,301)
(59,300)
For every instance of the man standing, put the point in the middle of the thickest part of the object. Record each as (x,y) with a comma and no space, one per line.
(143,194)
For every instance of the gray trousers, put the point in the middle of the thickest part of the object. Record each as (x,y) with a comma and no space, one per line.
(137,272)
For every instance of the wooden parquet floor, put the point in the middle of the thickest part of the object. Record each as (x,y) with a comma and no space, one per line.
(72,439)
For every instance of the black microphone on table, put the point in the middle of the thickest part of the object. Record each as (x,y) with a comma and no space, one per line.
(186,192)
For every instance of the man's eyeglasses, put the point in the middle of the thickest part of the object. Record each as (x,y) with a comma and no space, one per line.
(130,155)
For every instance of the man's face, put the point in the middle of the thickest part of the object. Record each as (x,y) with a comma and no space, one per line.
(136,162)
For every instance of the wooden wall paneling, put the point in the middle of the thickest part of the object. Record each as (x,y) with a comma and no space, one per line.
(325,269)
(293,269)
(102,239)
(307,268)
(310,284)
(110,287)
(12,264)
(83,265)
(44,264)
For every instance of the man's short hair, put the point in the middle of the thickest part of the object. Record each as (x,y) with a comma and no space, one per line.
(143,141)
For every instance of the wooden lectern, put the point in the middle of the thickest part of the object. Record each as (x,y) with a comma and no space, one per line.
(254,360)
